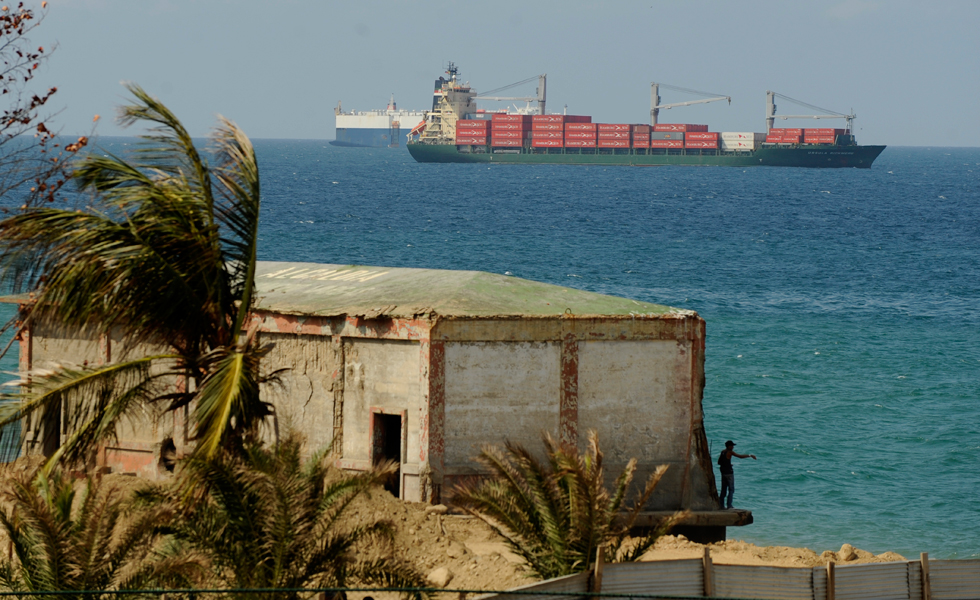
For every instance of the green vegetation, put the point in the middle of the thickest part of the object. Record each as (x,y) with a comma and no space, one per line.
(166,249)
(265,519)
(64,538)
(556,514)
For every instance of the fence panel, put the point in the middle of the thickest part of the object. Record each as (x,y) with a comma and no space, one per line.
(880,581)
(565,588)
(666,577)
(954,579)
(915,580)
(775,583)
(819,583)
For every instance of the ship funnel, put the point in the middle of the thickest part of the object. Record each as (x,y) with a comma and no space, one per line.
(391,103)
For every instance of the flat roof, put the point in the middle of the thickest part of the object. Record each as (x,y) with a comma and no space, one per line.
(332,290)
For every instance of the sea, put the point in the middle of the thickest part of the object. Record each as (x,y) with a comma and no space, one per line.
(842,305)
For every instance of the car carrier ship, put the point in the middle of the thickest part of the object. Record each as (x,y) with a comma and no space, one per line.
(456,131)
(375,128)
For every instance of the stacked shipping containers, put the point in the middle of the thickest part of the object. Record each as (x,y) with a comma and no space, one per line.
(701,140)
(738,140)
(472,131)
(680,127)
(509,131)
(581,135)
(666,139)
(823,135)
(613,135)
(641,136)
(782,135)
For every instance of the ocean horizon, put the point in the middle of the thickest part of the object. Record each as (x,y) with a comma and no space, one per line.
(842,305)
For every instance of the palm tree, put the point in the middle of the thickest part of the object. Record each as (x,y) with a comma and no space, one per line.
(64,539)
(166,249)
(557,514)
(267,519)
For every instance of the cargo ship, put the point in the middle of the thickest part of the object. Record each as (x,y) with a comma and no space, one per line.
(375,128)
(455,130)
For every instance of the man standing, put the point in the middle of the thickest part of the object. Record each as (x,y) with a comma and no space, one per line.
(727,474)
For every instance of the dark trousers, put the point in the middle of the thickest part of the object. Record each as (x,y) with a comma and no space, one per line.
(727,487)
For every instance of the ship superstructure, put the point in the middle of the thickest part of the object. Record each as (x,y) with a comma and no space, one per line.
(375,128)
(457,131)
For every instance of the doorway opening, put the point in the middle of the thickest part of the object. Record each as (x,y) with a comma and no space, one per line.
(386,445)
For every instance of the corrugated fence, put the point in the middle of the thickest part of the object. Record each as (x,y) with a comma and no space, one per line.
(910,580)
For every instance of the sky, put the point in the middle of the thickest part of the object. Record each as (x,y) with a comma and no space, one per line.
(910,71)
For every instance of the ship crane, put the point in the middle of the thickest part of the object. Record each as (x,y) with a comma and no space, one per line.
(771,112)
(656,106)
(539,97)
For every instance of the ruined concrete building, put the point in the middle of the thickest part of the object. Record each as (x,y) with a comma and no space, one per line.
(423,367)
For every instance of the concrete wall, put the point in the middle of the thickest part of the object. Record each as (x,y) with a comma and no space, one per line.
(458,383)
(382,377)
(304,397)
(497,391)
(637,396)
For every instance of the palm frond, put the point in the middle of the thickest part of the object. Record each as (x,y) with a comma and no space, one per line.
(556,514)
(93,401)
(237,172)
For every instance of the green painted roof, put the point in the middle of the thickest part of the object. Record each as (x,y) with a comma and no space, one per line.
(331,290)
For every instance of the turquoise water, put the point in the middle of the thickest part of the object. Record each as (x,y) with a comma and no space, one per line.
(842,306)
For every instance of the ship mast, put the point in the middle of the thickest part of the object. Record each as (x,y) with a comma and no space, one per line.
(655,104)
(771,112)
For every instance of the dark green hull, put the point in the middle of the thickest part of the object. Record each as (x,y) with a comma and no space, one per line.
(811,156)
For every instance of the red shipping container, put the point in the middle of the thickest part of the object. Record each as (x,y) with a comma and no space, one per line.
(791,139)
(641,143)
(701,136)
(614,143)
(641,128)
(505,118)
(580,143)
(473,123)
(577,119)
(784,131)
(823,131)
(613,127)
(774,139)
(508,126)
(547,127)
(679,127)
(580,135)
(547,135)
(509,135)
(478,141)
(507,143)
(700,144)
(819,139)
(547,143)
(580,126)
(547,118)
(666,143)
(614,135)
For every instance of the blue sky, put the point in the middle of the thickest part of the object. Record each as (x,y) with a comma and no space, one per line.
(909,70)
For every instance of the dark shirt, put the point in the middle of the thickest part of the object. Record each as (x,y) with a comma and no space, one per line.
(725,462)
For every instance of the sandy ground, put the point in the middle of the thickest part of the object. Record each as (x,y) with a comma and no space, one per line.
(461,552)
(478,560)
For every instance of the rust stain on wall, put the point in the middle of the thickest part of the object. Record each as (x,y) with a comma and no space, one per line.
(568,394)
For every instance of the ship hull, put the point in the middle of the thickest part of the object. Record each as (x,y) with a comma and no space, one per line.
(364,138)
(809,156)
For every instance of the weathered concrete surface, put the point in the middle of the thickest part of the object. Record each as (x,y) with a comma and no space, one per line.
(304,395)
(465,359)
(498,391)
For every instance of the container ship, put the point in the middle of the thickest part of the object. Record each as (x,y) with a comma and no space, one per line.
(456,131)
(375,128)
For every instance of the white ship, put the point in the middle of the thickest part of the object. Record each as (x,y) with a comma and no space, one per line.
(385,128)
